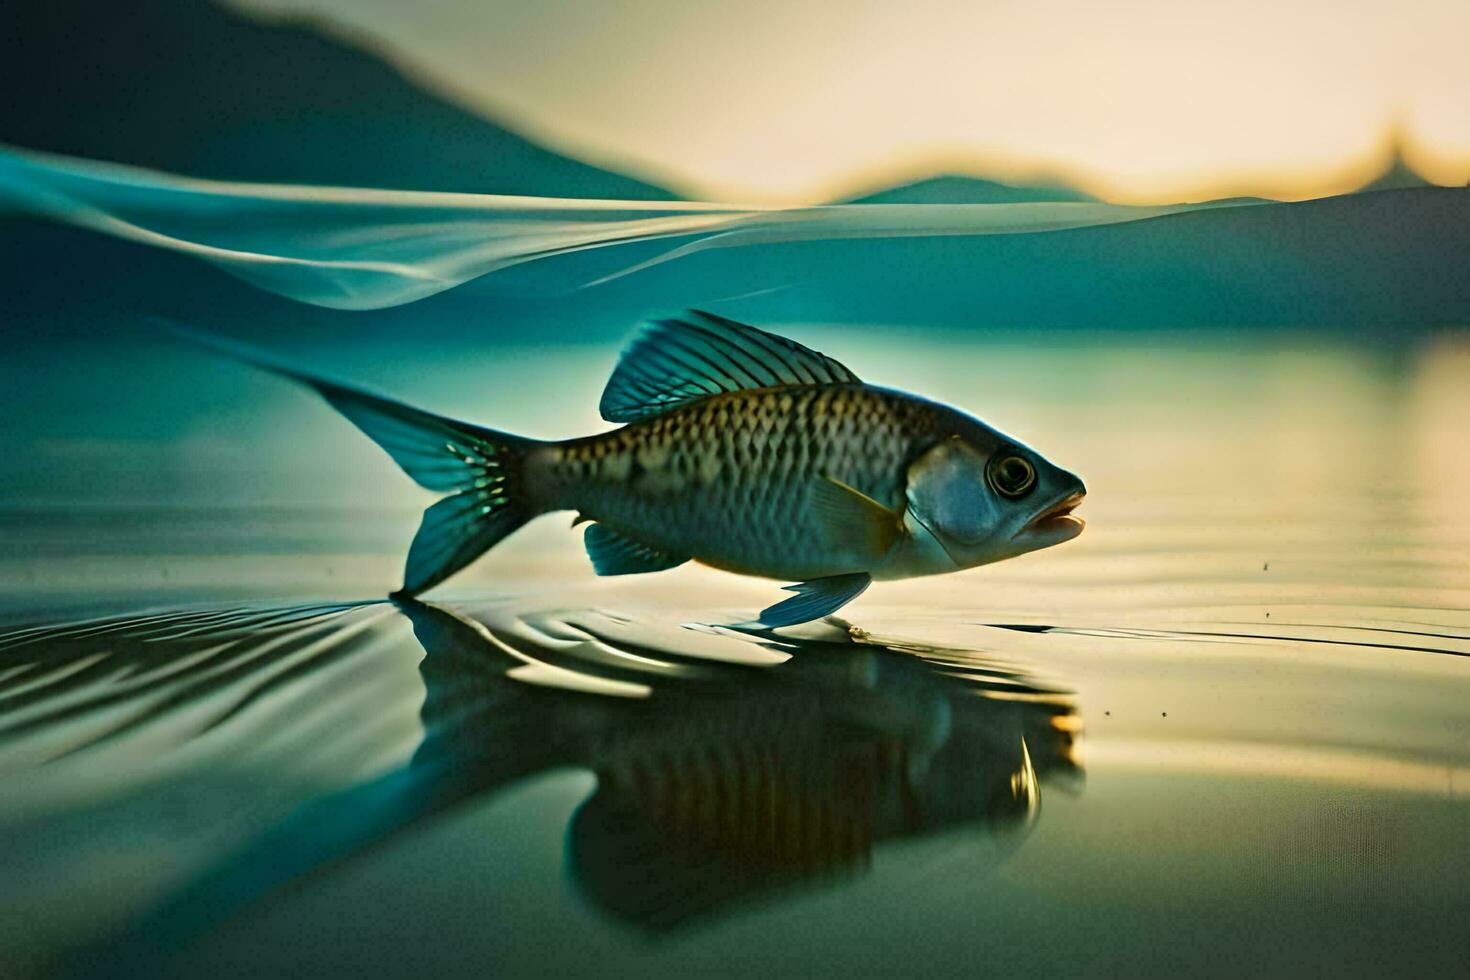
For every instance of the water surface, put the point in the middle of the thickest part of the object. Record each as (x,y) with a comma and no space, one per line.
(1225,729)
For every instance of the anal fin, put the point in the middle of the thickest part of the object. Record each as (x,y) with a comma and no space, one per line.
(614,553)
(815,599)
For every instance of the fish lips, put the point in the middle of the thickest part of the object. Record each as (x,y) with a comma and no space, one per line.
(1055,523)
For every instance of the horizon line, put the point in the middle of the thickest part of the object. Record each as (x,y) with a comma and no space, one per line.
(1392,150)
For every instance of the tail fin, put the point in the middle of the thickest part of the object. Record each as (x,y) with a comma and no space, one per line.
(482,468)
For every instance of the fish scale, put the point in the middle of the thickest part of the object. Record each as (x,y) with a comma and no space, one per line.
(726,479)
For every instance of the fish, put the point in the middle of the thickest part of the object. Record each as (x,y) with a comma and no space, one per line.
(738,449)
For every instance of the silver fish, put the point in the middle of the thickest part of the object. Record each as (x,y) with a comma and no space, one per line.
(741,450)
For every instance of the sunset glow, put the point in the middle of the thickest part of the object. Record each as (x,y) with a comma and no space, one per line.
(1141,102)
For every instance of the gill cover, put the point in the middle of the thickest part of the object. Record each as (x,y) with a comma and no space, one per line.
(948,495)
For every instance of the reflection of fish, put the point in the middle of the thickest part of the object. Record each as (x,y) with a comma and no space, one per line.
(728,781)
(744,451)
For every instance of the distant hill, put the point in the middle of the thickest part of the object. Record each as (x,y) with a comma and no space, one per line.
(1397,174)
(187,86)
(956,189)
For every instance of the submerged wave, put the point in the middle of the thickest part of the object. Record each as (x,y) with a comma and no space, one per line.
(360,249)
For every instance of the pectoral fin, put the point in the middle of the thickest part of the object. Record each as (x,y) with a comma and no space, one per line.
(852,521)
(815,599)
(613,553)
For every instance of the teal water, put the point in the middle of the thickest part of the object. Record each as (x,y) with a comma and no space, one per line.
(1223,731)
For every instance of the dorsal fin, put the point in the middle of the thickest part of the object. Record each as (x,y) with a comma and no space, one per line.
(676,361)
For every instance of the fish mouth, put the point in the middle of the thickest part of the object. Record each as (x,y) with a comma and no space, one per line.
(1057,522)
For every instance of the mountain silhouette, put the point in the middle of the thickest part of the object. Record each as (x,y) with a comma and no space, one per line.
(186,86)
(958,189)
(1397,173)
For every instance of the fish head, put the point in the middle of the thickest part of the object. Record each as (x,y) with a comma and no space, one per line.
(984,498)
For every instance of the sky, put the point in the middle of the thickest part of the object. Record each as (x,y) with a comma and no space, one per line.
(799,101)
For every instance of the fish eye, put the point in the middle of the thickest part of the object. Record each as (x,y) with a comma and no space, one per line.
(1011,476)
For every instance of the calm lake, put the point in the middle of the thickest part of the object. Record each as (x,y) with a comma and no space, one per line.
(1225,729)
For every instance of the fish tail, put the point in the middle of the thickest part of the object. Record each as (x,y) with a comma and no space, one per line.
(469,522)
(483,469)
